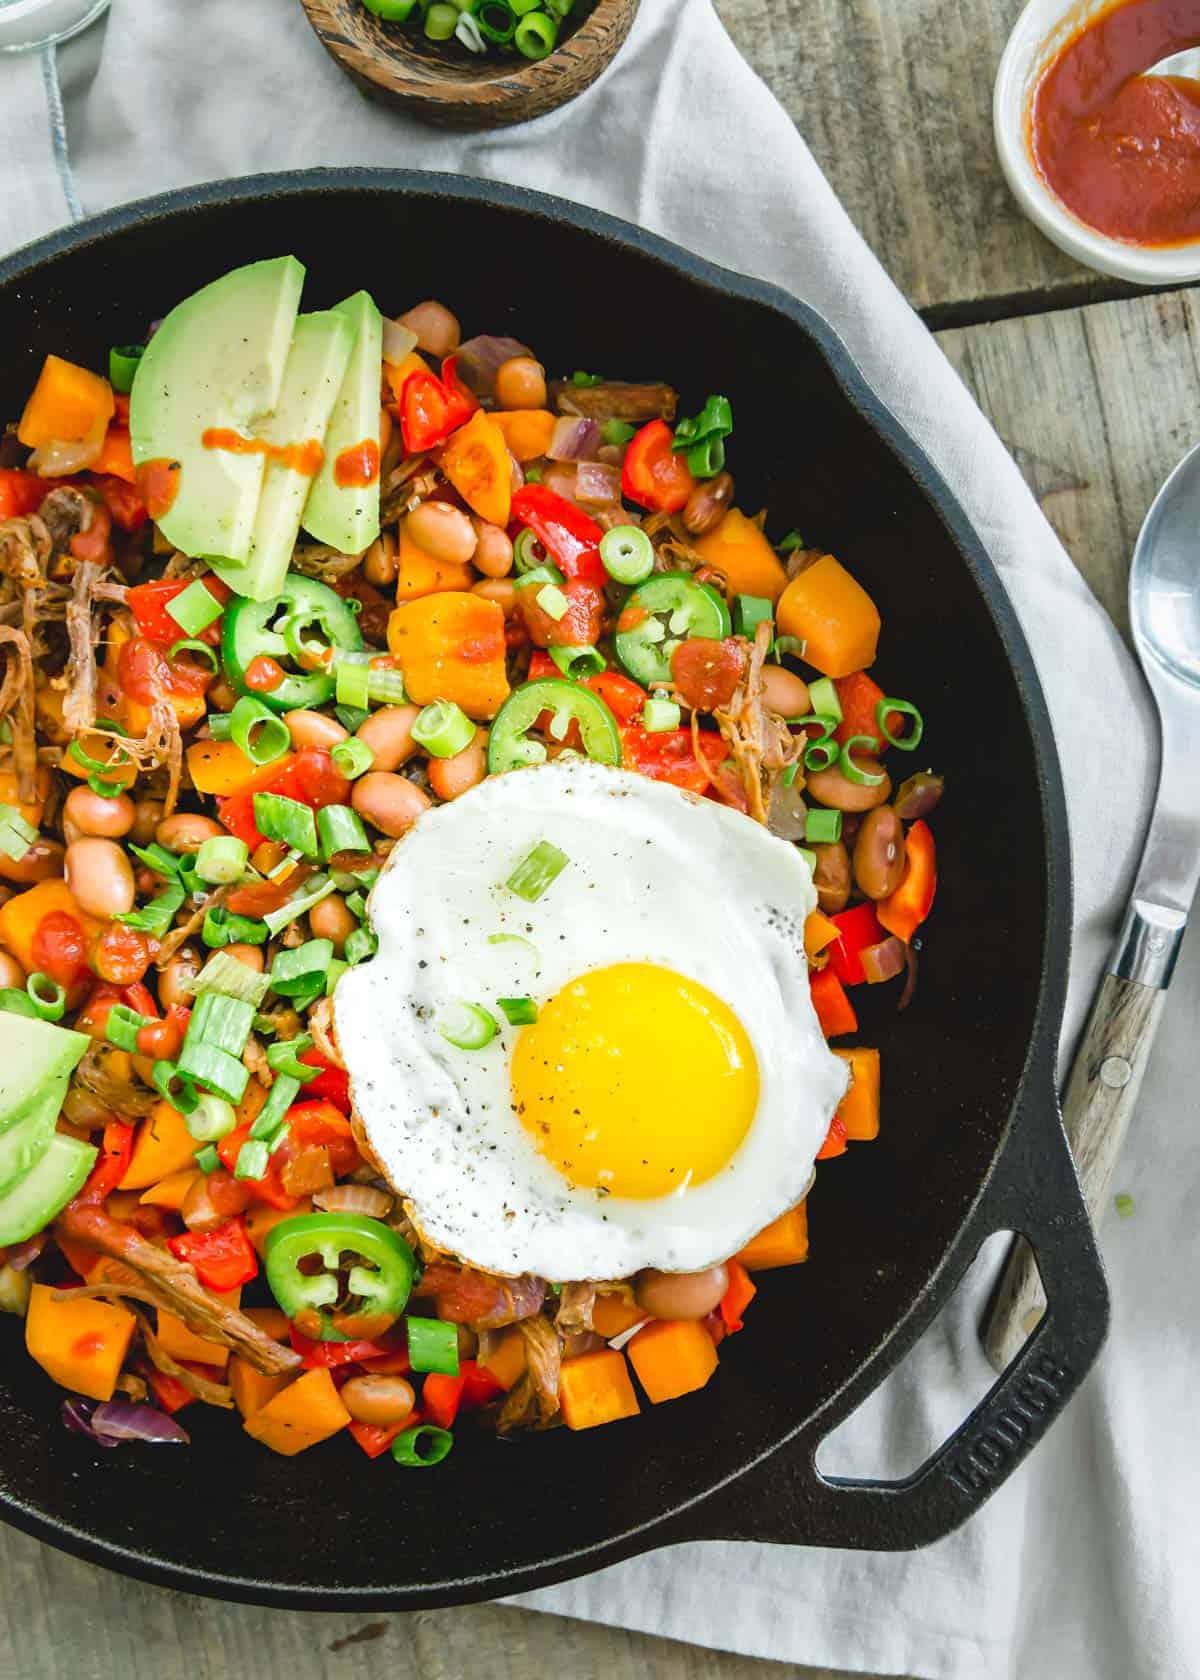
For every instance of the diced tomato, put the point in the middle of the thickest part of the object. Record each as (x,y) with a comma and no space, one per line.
(858,694)
(60,949)
(78,1256)
(652,475)
(125,506)
(479,1385)
(319,1122)
(375,1438)
(441,1397)
(580,624)
(148,603)
(268,1188)
(223,1258)
(857,928)
(667,755)
(120,954)
(835,1012)
(329,1082)
(310,777)
(141,998)
(706,671)
(326,1355)
(263,674)
(22,493)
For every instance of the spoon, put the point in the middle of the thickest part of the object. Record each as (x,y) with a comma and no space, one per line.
(1106,1076)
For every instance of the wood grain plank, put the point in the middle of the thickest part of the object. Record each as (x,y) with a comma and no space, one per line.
(895,102)
(1097,405)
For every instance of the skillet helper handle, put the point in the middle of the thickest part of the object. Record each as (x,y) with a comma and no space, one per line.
(1101,1095)
(785,1499)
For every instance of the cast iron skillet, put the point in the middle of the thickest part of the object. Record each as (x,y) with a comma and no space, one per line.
(971,1138)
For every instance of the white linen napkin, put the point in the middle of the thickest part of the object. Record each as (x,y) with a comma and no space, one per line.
(1083,1564)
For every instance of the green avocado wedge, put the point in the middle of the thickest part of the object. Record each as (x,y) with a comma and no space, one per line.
(346,516)
(215,364)
(316,367)
(35,1057)
(42,1194)
(23,1144)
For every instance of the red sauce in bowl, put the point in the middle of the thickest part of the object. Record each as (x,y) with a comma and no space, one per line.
(1120,149)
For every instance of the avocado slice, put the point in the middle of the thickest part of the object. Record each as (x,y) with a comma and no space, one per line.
(25,1142)
(346,516)
(316,366)
(34,1057)
(216,361)
(42,1194)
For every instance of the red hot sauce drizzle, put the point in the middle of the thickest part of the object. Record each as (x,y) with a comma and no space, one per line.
(358,466)
(1120,149)
(304,458)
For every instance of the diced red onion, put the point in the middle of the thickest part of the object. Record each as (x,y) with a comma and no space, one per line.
(612,454)
(608,517)
(480,358)
(153,327)
(130,1420)
(918,796)
(597,485)
(24,1254)
(883,961)
(60,460)
(560,479)
(574,439)
(516,473)
(910,979)
(354,1198)
(76,1414)
(398,341)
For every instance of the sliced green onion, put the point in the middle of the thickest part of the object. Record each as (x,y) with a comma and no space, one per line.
(352,673)
(123,362)
(790,543)
(749,611)
(284,1057)
(192,644)
(284,866)
(180,1093)
(518,1011)
(908,742)
(106,788)
(10,817)
(823,698)
(715,420)
(222,859)
(276,817)
(707,459)
(810,858)
(252,1160)
(432,1345)
(17,1002)
(360,945)
(220,725)
(156,917)
(207,1158)
(617,433)
(385,687)
(515,939)
(293,970)
(48,998)
(851,771)
(441,20)
(533,475)
(1123,1204)
(312,894)
(659,714)
(352,758)
(356,903)
(224,927)
(258,731)
(553,602)
(212,1119)
(577,662)
(468,32)
(497,22)
(221,1021)
(340,829)
(13,842)
(468,1026)
(535,38)
(280,1098)
(424,1444)
(791,771)
(528,553)
(539,575)
(543,865)
(351,718)
(156,857)
(582,381)
(822,753)
(229,977)
(108,765)
(333,974)
(205,1064)
(122,1027)
(822,827)
(627,554)
(443,728)
(195,608)
(306,651)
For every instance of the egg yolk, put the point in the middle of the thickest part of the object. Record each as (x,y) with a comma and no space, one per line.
(635,1081)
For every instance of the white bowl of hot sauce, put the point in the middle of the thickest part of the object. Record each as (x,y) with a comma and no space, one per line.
(1104,160)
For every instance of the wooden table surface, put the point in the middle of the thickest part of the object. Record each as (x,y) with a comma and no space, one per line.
(1092,385)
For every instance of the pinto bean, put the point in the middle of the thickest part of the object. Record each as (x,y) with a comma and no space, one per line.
(43,859)
(91,813)
(100,876)
(330,919)
(830,787)
(388,733)
(501,590)
(186,832)
(313,729)
(521,383)
(784,692)
(831,876)
(494,551)
(705,507)
(147,814)
(11,972)
(380,565)
(445,533)
(390,803)
(879,853)
(173,988)
(681,1294)
(378,1399)
(450,777)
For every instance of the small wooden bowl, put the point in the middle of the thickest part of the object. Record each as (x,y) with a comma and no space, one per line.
(447,86)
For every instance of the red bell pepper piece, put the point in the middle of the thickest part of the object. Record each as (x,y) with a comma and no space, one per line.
(835,1140)
(857,928)
(569,536)
(903,913)
(148,603)
(268,1188)
(667,755)
(169,1393)
(653,475)
(834,1010)
(78,1256)
(432,408)
(331,1084)
(376,1438)
(223,1258)
(742,1290)
(328,1355)
(115,1152)
(22,493)
(441,1398)
(310,777)
(479,1385)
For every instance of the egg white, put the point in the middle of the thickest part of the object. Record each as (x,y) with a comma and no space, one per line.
(655,875)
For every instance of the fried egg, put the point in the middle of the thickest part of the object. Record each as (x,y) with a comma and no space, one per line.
(669,1098)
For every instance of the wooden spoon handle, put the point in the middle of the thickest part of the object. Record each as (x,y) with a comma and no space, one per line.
(1098,1104)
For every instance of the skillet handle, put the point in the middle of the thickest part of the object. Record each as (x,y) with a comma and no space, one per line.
(1033,1190)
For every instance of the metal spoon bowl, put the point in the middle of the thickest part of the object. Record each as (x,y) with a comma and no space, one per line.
(1164,601)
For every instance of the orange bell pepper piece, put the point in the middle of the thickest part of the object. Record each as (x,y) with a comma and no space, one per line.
(834,1010)
(477,463)
(903,913)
